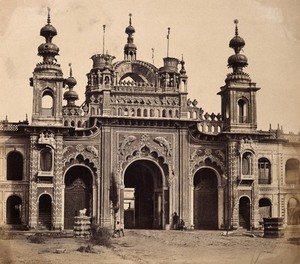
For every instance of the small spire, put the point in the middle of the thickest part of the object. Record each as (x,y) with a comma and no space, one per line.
(48,18)
(236,21)
(104,26)
(70,65)
(168,42)
(130,15)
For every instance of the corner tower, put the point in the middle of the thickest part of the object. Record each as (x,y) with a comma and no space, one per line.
(47,82)
(238,96)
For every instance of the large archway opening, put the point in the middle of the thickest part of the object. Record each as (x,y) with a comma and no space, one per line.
(244,212)
(45,211)
(143,196)
(13,210)
(205,199)
(78,193)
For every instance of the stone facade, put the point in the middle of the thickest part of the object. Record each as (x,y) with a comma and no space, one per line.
(138,150)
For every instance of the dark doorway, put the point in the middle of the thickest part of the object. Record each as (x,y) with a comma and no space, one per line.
(265,209)
(244,212)
(143,204)
(13,210)
(78,193)
(205,199)
(45,212)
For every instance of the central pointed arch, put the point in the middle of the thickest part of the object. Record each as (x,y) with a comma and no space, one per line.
(145,201)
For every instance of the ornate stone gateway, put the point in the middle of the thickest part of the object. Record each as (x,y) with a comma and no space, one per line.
(205,199)
(78,193)
(143,207)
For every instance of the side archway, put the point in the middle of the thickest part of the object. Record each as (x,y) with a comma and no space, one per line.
(244,212)
(45,212)
(13,210)
(206,199)
(78,193)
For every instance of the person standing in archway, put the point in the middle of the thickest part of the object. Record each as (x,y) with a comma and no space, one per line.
(175,221)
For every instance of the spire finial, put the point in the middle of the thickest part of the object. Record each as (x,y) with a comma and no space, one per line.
(48,19)
(236,21)
(104,26)
(130,15)
(70,65)
(168,43)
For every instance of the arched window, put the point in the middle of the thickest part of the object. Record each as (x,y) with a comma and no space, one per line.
(145,113)
(66,123)
(126,112)
(79,124)
(264,171)
(242,111)
(247,163)
(292,171)
(47,103)
(151,113)
(72,123)
(14,166)
(164,113)
(138,112)
(119,111)
(46,159)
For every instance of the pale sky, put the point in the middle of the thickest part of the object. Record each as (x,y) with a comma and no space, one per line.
(200,30)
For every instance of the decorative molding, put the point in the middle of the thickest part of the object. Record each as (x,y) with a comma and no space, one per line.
(163,143)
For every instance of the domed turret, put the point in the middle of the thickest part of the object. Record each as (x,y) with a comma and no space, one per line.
(237,61)
(70,96)
(48,50)
(130,47)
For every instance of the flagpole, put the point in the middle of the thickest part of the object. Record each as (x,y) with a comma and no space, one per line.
(103,38)
(168,42)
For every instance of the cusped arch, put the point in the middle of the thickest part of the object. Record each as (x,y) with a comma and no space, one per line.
(80,160)
(145,153)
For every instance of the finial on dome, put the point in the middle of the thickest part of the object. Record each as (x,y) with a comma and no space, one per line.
(236,21)
(48,18)
(130,15)
(70,65)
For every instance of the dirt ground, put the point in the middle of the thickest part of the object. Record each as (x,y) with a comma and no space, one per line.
(157,246)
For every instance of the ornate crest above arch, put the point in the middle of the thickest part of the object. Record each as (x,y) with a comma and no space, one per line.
(80,154)
(145,149)
(214,158)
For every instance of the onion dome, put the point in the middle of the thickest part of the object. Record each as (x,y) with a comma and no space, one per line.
(238,60)
(71,96)
(48,50)
(182,70)
(130,29)
(237,43)
(130,47)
